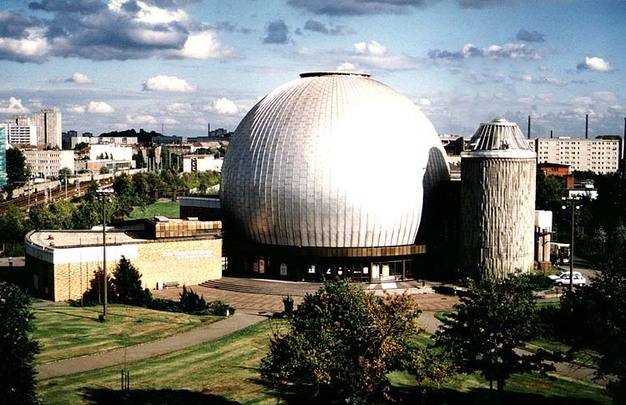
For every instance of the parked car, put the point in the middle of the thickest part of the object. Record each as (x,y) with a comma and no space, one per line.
(562,279)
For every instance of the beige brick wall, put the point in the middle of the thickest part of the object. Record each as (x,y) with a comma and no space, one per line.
(188,262)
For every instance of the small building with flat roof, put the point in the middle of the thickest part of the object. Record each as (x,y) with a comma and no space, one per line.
(165,251)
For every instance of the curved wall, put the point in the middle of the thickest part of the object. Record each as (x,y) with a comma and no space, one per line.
(332,160)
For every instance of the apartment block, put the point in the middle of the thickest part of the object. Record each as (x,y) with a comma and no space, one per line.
(598,155)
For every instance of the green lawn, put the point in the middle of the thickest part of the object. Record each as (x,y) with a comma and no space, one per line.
(66,332)
(226,372)
(170,209)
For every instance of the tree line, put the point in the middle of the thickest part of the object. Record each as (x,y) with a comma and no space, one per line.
(138,190)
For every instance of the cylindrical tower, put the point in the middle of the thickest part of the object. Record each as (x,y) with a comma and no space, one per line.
(498,201)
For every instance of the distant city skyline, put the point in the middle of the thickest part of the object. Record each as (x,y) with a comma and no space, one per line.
(182,64)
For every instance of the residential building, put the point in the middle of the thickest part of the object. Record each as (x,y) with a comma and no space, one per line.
(201,163)
(48,123)
(102,140)
(599,155)
(3,156)
(20,134)
(45,163)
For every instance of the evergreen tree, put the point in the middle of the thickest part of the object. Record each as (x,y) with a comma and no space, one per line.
(17,348)
(126,284)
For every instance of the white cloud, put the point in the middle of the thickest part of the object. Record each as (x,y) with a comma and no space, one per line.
(346,67)
(424,102)
(223,106)
(203,45)
(606,96)
(79,78)
(527,78)
(14,107)
(552,80)
(178,108)
(154,15)
(99,107)
(595,64)
(141,119)
(167,83)
(370,48)
(78,109)
(33,46)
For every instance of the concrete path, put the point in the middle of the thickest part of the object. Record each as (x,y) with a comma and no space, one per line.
(202,334)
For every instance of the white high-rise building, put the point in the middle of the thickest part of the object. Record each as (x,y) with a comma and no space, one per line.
(597,155)
(48,123)
(21,134)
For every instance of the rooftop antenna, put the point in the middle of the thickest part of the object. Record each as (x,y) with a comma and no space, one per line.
(551,134)
(586,126)
(529,127)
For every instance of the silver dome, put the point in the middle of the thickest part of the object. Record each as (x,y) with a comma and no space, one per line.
(332,160)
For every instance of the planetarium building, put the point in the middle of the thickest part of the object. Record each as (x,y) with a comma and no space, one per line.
(330,174)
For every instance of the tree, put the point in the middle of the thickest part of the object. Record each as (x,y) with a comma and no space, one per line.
(342,343)
(17,172)
(594,316)
(13,228)
(490,324)
(17,348)
(126,284)
(58,215)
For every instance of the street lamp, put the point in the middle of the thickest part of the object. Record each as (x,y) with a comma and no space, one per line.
(571,200)
(103,192)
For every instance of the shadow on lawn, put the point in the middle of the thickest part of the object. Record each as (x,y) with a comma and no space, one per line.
(436,396)
(482,396)
(161,397)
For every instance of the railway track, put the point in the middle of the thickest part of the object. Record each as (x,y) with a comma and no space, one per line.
(45,195)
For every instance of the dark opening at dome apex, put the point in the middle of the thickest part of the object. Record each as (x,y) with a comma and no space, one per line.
(333,73)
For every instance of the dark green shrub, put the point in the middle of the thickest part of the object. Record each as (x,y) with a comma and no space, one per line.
(162,304)
(191,302)
(288,305)
(220,308)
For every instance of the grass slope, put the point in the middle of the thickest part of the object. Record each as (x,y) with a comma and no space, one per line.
(170,209)
(65,332)
(226,372)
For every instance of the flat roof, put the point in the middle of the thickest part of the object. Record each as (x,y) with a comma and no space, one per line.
(73,238)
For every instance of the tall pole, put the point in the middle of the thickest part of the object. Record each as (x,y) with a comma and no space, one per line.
(104,260)
(103,193)
(571,250)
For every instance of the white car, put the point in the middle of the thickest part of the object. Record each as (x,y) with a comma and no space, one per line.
(562,279)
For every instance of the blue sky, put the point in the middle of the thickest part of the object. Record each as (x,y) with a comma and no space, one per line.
(180,64)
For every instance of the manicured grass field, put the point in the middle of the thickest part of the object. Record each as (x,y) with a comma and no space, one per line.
(225,369)
(226,372)
(170,209)
(66,332)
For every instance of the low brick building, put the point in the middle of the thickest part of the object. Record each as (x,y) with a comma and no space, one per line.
(165,251)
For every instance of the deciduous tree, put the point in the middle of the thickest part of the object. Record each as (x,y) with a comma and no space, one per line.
(594,316)
(342,343)
(491,323)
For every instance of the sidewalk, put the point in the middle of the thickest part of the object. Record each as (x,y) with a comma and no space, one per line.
(203,334)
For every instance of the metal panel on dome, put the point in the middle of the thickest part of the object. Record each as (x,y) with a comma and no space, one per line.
(302,167)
